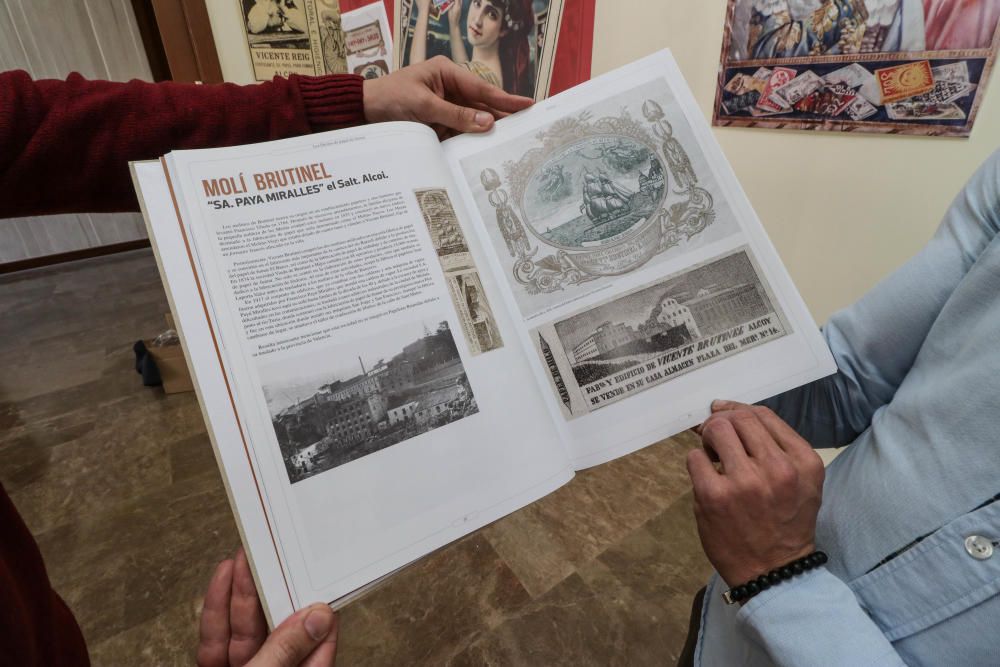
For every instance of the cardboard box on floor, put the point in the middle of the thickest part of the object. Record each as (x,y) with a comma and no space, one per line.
(170,362)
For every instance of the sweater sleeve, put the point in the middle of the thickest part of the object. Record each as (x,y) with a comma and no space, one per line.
(876,340)
(36,626)
(65,145)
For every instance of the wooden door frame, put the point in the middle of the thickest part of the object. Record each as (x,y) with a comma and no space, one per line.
(178,39)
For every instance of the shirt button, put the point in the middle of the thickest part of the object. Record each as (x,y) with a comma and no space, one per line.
(979,547)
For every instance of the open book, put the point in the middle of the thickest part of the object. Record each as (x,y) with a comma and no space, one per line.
(396,341)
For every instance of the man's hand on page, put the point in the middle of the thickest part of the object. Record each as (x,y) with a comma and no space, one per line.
(446,96)
(233,630)
(757,510)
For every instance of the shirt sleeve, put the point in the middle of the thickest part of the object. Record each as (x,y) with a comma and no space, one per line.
(876,340)
(815,619)
(65,145)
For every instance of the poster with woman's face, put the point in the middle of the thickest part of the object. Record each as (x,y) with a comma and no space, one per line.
(895,66)
(510,43)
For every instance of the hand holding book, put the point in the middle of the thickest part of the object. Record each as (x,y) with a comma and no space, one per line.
(233,630)
(446,96)
(757,510)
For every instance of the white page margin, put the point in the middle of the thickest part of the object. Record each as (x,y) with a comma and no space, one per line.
(210,386)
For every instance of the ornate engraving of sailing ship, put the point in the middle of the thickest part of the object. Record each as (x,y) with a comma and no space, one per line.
(596,197)
(603,201)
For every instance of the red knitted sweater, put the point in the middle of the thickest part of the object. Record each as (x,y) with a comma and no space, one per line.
(65,147)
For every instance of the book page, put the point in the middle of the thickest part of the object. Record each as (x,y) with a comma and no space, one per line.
(365,355)
(643,284)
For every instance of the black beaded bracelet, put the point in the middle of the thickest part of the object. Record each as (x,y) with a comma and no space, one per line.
(774,577)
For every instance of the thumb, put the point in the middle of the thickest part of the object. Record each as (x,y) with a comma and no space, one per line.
(295,639)
(455,117)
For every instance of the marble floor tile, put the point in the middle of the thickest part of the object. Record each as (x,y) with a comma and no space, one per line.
(532,549)
(431,610)
(125,454)
(656,625)
(577,623)
(545,541)
(663,556)
(168,640)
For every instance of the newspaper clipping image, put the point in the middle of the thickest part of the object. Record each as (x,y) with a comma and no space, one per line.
(464,285)
(661,331)
(371,394)
(294,37)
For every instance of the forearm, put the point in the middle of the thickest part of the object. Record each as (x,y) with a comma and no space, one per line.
(418,48)
(458,53)
(66,145)
(815,619)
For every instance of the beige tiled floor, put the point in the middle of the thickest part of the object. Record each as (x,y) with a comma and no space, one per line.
(119,485)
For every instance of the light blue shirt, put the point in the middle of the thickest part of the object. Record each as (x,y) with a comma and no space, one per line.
(917,396)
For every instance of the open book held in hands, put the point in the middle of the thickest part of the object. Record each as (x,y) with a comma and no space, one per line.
(396,341)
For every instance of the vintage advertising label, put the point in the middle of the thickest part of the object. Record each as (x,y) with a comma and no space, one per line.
(364,38)
(902,81)
(294,37)
(368,41)
(779,77)
(479,326)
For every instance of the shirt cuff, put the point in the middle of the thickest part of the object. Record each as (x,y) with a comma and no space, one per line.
(333,101)
(798,586)
(812,618)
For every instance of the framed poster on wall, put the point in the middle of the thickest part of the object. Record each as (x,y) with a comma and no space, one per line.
(226,30)
(509,42)
(891,66)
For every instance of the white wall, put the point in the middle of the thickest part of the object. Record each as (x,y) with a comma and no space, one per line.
(843,210)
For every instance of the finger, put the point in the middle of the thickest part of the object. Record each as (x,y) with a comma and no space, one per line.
(708,450)
(326,653)
(700,468)
(705,479)
(718,434)
(213,633)
(496,113)
(712,455)
(463,119)
(785,436)
(460,81)
(296,638)
(246,617)
(756,438)
(720,405)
